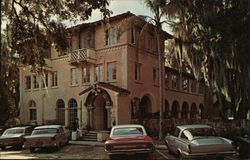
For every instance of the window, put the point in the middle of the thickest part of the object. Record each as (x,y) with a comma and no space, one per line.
(112,36)
(111,71)
(166,80)
(193,86)
(54,79)
(99,73)
(36,81)
(175,82)
(201,88)
(85,74)
(32,108)
(155,75)
(60,114)
(74,76)
(133,35)
(137,72)
(45,79)
(72,111)
(28,82)
(185,84)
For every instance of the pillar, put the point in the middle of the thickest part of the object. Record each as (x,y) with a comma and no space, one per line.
(108,108)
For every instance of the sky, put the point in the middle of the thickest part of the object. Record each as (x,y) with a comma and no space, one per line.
(136,7)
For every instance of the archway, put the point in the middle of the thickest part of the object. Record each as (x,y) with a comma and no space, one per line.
(193,112)
(184,111)
(145,107)
(166,111)
(175,109)
(98,103)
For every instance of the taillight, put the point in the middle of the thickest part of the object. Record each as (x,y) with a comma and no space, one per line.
(108,147)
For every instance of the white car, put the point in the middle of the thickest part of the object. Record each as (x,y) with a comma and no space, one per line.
(191,141)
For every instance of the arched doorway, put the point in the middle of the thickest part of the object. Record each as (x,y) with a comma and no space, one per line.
(98,103)
(145,107)
(175,109)
(201,111)
(99,113)
(184,111)
(193,112)
(60,112)
(166,111)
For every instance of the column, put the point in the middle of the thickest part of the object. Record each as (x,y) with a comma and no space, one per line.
(90,116)
(66,115)
(108,108)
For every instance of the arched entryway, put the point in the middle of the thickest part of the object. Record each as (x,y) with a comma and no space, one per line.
(166,111)
(201,111)
(98,103)
(175,109)
(145,107)
(184,111)
(193,112)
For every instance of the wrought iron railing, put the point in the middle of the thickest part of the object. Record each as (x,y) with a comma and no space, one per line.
(83,54)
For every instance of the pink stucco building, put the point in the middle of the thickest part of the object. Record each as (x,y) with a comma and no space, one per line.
(109,76)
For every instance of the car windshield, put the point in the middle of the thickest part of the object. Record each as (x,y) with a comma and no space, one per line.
(14,131)
(196,132)
(44,131)
(128,131)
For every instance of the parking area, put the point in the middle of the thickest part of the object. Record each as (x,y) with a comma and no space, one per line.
(80,152)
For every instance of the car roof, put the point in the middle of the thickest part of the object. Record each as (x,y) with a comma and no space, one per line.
(48,126)
(182,127)
(21,127)
(127,125)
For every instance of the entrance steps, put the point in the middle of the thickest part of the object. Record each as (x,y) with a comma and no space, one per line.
(89,136)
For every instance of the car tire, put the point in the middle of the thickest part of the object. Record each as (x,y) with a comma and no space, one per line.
(237,150)
(112,157)
(3,148)
(32,150)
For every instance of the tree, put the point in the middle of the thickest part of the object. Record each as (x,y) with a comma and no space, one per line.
(31,28)
(215,38)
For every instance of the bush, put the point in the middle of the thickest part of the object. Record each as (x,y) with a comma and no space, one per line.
(12,122)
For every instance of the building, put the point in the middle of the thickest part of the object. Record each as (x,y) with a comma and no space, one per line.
(109,76)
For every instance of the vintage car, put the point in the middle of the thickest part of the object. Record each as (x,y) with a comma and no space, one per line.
(14,136)
(242,144)
(193,141)
(46,136)
(129,140)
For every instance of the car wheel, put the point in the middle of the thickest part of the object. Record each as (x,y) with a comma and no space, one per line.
(180,156)
(3,148)
(169,151)
(32,150)
(112,157)
(237,149)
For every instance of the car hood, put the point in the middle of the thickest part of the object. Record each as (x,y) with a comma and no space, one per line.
(11,136)
(40,135)
(129,139)
(209,140)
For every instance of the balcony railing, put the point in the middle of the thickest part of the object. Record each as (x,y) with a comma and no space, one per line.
(84,54)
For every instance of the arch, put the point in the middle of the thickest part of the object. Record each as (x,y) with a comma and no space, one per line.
(60,112)
(166,111)
(193,111)
(98,103)
(201,111)
(175,109)
(184,111)
(145,106)
(32,110)
(135,101)
(72,110)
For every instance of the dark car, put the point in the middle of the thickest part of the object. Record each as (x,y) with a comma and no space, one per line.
(243,147)
(46,136)
(14,136)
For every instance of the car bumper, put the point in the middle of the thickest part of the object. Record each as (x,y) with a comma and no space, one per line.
(129,151)
(10,143)
(44,145)
(212,154)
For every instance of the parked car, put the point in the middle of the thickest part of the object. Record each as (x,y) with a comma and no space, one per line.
(243,147)
(193,141)
(129,140)
(14,136)
(46,136)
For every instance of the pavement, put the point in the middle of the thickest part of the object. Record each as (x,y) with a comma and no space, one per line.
(94,143)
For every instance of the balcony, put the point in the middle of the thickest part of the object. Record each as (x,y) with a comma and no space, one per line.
(82,55)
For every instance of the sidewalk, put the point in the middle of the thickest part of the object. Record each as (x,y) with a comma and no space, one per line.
(92,143)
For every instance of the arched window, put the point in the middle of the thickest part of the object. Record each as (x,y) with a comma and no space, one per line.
(32,109)
(60,112)
(72,111)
